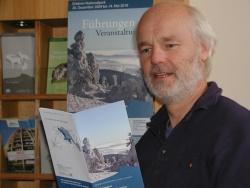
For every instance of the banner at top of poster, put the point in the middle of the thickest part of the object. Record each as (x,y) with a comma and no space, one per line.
(78,5)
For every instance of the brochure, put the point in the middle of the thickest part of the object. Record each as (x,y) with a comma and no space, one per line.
(57,66)
(18,144)
(18,62)
(93,148)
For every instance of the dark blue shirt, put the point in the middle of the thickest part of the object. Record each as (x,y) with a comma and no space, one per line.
(209,148)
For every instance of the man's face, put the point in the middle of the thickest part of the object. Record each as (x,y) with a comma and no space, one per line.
(169,56)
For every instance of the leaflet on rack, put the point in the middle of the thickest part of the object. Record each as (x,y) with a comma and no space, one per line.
(18,139)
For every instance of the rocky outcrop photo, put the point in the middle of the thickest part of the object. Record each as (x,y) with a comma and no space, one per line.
(89,85)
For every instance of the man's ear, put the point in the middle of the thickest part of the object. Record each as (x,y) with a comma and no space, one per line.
(204,52)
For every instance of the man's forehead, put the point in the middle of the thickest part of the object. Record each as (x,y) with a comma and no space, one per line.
(165,30)
(164,11)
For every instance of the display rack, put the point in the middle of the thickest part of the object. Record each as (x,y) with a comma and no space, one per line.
(44,19)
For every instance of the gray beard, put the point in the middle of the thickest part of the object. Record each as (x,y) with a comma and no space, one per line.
(182,88)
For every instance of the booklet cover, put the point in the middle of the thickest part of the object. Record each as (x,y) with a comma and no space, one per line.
(57,66)
(18,58)
(103,66)
(93,148)
(18,144)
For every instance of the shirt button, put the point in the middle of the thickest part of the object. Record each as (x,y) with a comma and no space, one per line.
(156,172)
(163,152)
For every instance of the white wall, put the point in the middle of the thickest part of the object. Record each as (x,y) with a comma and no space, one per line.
(231,63)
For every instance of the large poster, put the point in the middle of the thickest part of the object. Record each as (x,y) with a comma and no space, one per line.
(103,65)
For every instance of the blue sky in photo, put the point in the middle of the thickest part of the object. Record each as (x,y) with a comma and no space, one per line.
(104,124)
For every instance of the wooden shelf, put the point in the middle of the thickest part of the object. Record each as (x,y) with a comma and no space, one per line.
(22,97)
(26,176)
(17,176)
(46,19)
(33,9)
(49,177)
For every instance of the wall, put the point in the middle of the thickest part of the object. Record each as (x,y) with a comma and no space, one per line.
(231,63)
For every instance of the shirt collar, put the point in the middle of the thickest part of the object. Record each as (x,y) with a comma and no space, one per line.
(209,98)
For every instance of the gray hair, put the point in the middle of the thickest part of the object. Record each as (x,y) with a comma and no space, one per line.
(204,32)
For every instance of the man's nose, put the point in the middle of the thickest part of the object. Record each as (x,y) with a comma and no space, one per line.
(158,55)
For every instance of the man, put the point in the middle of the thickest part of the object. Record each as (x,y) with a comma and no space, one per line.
(198,138)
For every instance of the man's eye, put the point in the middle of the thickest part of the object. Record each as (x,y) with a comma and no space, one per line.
(171,46)
(145,50)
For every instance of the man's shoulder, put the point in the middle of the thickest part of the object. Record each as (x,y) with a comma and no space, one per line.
(230,116)
(233,109)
